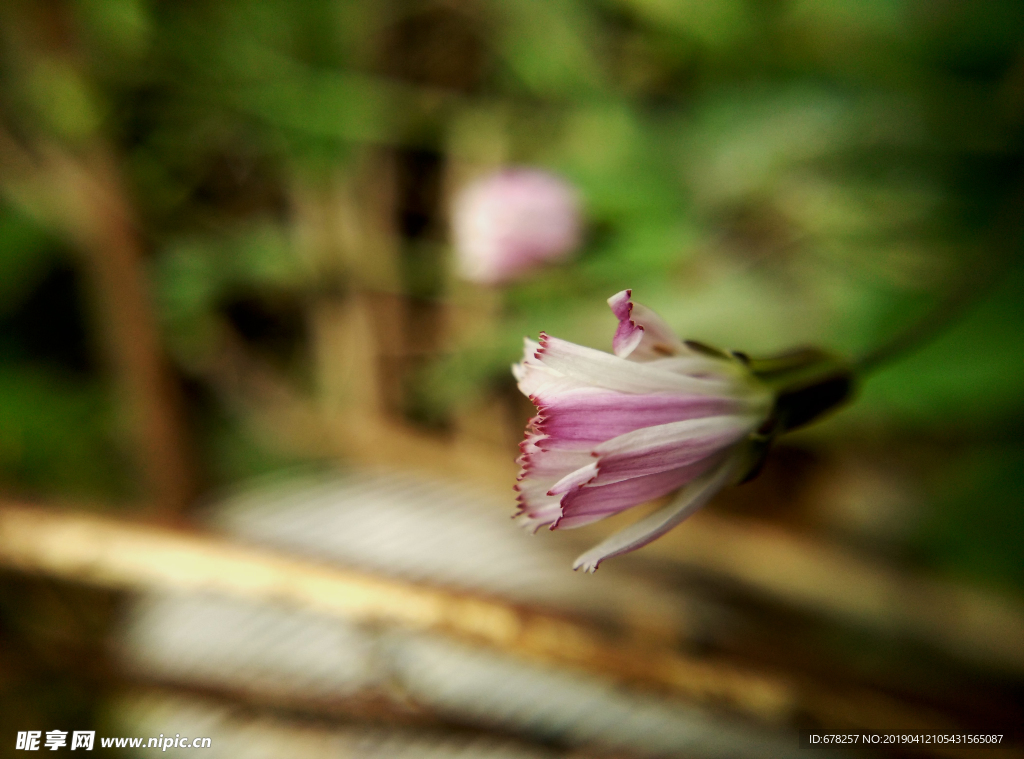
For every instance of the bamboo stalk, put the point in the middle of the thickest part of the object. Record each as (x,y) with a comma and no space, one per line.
(127,556)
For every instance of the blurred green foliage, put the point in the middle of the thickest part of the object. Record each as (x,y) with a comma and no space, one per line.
(764,173)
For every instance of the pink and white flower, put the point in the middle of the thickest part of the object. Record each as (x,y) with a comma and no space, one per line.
(508,223)
(615,431)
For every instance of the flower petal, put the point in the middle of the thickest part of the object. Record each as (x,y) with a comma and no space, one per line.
(538,461)
(536,507)
(596,368)
(668,446)
(642,335)
(538,515)
(541,469)
(694,496)
(533,378)
(575,480)
(589,504)
(577,419)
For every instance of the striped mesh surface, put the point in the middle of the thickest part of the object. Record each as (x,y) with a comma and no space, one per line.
(412,528)
(236,735)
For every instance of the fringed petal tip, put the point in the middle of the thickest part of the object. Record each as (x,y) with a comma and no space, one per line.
(531,523)
(629,334)
(642,335)
(540,346)
(589,566)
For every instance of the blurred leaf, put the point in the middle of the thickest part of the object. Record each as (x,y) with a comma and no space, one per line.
(973,527)
(334,104)
(123,27)
(971,375)
(879,16)
(715,24)
(64,99)
(550,46)
(56,437)
(26,252)
(194,276)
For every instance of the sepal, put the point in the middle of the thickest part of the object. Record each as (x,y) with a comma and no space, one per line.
(807,383)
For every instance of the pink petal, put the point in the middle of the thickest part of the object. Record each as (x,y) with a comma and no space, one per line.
(541,469)
(629,334)
(589,504)
(577,419)
(693,497)
(534,517)
(536,507)
(656,449)
(538,461)
(642,335)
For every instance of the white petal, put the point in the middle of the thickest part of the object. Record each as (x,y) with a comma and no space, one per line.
(599,369)
(538,461)
(574,480)
(533,519)
(535,379)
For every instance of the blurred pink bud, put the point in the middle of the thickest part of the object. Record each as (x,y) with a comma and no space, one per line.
(508,223)
(615,431)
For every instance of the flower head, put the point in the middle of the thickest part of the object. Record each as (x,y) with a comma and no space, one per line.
(614,431)
(508,223)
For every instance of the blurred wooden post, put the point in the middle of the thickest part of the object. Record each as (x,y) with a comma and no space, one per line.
(83,198)
(71,182)
(477,145)
(120,290)
(345,231)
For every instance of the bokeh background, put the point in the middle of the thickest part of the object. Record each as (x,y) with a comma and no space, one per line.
(226,268)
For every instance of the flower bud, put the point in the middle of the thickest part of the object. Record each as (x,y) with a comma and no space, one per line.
(658,416)
(508,223)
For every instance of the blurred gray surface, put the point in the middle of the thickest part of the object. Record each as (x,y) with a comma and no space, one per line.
(419,530)
(407,526)
(235,735)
